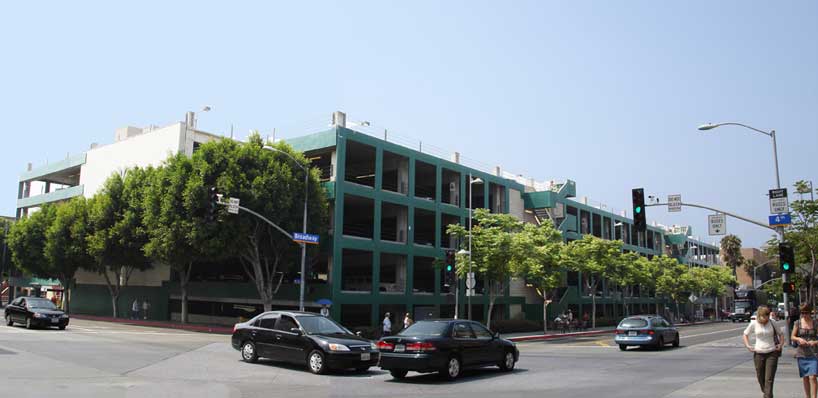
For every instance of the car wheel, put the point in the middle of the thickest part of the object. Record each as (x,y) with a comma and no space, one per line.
(676,342)
(453,368)
(362,369)
(398,373)
(248,352)
(316,362)
(9,322)
(508,362)
(62,327)
(28,323)
(623,347)
(660,344)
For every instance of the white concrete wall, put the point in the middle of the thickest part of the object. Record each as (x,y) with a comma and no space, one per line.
(152,277)
(516,206)
(149,148)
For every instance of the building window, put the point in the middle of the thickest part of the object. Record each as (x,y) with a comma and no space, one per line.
(478,195)
(573,211)
(322,160)
(626,228)
(497,198)
(450,188)
(395,173)
(360,164)
(650,240)
(425,180)
(356,271)
(359,216)
(356,316)
(394,219)
(423,280)
(446,240)
(393,273)
(606,228)
(597,225)
(584,222)
(424,227)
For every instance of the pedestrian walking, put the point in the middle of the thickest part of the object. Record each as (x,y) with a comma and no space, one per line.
(804,334)
(135,309)
(387,325)
(767,348)
(146,306)
(407,321)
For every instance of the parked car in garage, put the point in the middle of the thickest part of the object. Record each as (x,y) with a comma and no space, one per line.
(35,312)
(445,346)
(646,330)
(303,338)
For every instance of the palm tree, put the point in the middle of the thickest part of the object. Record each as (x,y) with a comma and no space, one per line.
(731,252)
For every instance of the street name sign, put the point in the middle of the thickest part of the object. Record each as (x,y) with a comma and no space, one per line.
(780,220)
(778,201)
(233,206)
(674,203)
(717,224)
(311,239)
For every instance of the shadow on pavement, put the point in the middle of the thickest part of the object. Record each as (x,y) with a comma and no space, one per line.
(467,376)
(303,368)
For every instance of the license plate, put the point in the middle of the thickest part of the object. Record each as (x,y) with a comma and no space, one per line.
(400,347)
(365,356)
(632,333)
(54,320)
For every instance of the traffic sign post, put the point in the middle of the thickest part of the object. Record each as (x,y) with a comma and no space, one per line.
(717,224)
(674,203)
(778,201)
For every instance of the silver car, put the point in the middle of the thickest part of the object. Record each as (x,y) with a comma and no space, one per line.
(645,330)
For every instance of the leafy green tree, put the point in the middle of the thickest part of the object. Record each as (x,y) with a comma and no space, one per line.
(536,257)
(66,245)
(27,239)
(676,282)
(491,250)
(714,282)
(731,252)
(117,234)
(268,183)
(629,274)
(597,259)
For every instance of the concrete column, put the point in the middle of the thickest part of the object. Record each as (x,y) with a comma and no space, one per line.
(403,175)
(333,164)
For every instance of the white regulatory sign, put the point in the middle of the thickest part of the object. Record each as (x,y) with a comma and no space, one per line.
(470,283)
(778,201)
(233,206)
(674,203)
(717,224)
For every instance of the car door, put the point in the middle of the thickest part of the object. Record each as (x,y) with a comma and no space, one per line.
(489,349)
(291,345)
(670,331)
(465,342)
(13,309)
(662,328)
(263,336)
(20,311)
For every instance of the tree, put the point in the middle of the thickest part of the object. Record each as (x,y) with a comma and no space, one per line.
(117,234)
(27,239)
(676,282)
(713,281)
(731,252)
(270,184)
(629,274)
(66,248)
(803,235)
(536,257)
(597,259)
(491,250)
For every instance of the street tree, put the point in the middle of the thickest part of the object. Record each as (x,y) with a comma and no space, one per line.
(117,234)
(66,244)
(536,257)
(628,275)
(27,239)
(676,282)
(491,250)
(731,252)
(271,184)
(715,282)
(597,260)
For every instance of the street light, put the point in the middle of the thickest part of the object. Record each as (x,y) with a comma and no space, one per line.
(771,134)
(472,181)
(304,228)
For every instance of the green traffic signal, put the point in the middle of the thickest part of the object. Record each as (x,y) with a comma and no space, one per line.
(786,266)
(638,209)
(448,268)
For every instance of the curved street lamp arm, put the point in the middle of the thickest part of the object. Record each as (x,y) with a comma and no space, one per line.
(767,133)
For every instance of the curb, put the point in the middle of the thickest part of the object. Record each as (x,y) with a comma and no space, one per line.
(158,324)
(539,337)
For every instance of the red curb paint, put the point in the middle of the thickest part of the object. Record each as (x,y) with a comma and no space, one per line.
(159,324)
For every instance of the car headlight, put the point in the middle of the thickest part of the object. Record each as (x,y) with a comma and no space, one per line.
(38,315)
(338,347)
(373,346)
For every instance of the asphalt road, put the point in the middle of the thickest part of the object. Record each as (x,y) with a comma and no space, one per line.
(97,359)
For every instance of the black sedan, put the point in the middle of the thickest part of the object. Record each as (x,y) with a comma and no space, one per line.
(445,346)
(35,312)
(303,338)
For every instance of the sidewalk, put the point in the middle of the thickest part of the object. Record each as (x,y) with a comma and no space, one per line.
(519,337)
(191,327)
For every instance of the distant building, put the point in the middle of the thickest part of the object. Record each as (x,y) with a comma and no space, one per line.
(765,267)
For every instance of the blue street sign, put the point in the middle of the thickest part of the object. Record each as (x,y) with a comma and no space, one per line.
(779,220)
(305,238)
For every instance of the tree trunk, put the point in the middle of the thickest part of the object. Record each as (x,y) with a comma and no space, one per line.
(544,312)
(268,304)
(184,278)
(593,306)
(114,301)
(492,297)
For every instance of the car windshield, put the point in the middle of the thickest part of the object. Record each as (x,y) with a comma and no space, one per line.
(43,304)
(742,305)
(633,323)
(425,329)
(320,325)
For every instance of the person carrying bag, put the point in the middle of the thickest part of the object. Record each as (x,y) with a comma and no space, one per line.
(805,336)
(767,349)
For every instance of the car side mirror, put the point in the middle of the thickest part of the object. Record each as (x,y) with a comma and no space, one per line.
(496,335)
(358,333)
(296,331)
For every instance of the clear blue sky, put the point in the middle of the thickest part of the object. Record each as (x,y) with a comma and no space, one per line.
(606,93)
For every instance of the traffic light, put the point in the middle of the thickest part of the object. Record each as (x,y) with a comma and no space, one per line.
(449,272)
(789,287)
(212,204)
(639,221)
(786,258)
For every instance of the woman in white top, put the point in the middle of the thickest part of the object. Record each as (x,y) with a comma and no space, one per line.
(766,350)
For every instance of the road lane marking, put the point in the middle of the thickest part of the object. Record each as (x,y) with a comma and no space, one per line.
(708,333)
